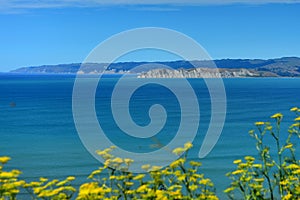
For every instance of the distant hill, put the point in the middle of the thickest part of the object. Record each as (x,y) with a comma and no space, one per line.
(286,67)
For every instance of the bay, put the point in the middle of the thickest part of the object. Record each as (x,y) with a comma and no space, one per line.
(37,128)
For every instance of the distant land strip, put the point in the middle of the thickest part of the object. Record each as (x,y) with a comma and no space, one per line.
(225,68)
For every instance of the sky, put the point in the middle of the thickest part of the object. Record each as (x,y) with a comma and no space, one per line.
(36,32)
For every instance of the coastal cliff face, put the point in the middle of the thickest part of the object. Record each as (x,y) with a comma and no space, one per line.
(200,73)
(279,67)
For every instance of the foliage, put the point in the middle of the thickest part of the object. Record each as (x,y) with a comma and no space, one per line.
(55,189)
(177,181)
(270,176)
(180,180)
(9,181)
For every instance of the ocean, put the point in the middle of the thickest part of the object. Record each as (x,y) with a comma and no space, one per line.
(37,128)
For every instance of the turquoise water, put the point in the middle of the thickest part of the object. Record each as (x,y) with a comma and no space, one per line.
(37,128)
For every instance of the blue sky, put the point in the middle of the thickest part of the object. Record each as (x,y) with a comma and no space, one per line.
(33,33)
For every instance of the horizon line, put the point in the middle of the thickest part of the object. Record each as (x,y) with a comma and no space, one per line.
(218,59)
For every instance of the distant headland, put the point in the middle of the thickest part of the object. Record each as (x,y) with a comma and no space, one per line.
(226,68)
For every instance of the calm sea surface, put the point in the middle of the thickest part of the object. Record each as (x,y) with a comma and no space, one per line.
(37,128)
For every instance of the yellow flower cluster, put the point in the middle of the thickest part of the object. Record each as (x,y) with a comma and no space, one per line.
(54,189)
(4,159)
(277,116)
(92,191)
(295,109)
(9,181)
(181,150)
(259,180)
(177,181)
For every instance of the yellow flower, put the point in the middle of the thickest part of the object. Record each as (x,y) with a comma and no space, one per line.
(249,158)
(129,183)
(243,165)
(69,188)
(277,115)
(96,172)
(259,123)
(139,177)
(204,181)
(173,187)
(176,194)
(212,197)
(178,151)
(257,166)
(87,187)
(62,196)
(128,161)
(287,197)
(176,163)
(188,145)
(237,172)
(4,159)
(284,182)
(288,146)
(270,164)
(107,162)
(255,186)
(296,171)
(155,168)
(18,183)
(142,188)
(177,173)
(293,166)
(237,161)
(99,190)
(297,124)
(120,177)
(71,178)
(33,184)
(62,183)
(193,179)
(43,179)
(259,179)
(117,160)
(146,167)
(160,195)
(298,189)
(193,187)
(294,109)
(297,119)
(269,128)
(229,190)
(195,164)
(7,175)
(129,191)
(181,177)
(292,178)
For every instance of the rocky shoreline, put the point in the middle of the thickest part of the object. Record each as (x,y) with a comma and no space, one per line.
(204,73)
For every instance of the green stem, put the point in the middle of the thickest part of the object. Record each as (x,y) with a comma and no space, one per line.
(186,182)
(279,153)
(269,184)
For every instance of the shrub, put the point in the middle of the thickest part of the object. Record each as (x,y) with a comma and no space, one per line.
(179,180)
(9,181)
(271,175)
